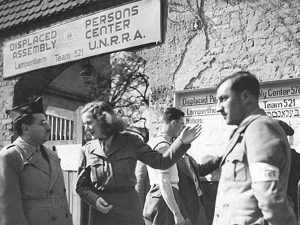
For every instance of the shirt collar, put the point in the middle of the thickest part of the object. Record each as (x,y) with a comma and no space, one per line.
(249,118)
(166,136)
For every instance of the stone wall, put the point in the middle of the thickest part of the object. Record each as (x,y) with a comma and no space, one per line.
(205,42)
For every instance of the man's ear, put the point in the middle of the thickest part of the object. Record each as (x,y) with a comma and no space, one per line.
(173,123)
(24,128)
(245,95)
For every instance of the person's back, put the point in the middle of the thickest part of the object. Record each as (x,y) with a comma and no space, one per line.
(294,175)
(294,179)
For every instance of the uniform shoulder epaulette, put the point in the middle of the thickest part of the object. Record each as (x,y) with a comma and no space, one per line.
(10,145)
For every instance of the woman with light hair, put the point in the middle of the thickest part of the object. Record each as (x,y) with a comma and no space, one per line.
(106,175)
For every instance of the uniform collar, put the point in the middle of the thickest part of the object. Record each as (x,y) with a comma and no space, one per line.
(27,148)
(237,136)
(254,114)
(110,146)
(33,157)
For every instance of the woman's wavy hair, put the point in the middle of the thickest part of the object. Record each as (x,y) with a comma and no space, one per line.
(141,132)
(105,116)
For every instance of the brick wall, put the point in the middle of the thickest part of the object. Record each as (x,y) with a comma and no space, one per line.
(6,101)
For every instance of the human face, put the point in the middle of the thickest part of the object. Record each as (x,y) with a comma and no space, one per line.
(38,132)
(229,104)
(178,125)
(91,126)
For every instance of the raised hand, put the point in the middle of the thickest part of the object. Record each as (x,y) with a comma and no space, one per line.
(190,133)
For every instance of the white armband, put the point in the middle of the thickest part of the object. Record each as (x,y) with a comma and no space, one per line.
(263,172)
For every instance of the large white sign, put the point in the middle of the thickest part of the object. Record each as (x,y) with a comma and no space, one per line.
(280,100)
(118,28)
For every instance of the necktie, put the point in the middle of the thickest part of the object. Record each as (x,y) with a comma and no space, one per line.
(40,150)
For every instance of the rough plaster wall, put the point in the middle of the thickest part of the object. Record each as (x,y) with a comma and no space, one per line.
(260,36)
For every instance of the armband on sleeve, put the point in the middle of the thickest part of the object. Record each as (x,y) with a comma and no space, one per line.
(263,172)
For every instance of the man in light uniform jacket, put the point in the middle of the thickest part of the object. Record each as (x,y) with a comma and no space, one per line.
(32,190)
(256,163)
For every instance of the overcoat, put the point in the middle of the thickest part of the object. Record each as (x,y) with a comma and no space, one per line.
(32,190)
(110,173)
(254,178)
(294,178)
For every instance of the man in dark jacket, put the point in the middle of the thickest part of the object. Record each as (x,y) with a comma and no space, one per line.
(189,173)
(294,179)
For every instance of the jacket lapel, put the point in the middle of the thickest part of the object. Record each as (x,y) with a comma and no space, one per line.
(181,165)
(34,158)
(238,135)
(194,164)
(233,141)
(97,149)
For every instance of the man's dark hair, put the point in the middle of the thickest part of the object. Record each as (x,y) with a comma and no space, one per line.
(172,113)
(26,119)
(241,81)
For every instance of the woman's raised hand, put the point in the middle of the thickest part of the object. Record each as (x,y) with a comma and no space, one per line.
(190,133)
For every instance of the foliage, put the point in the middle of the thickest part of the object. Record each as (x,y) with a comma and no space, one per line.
(128,92)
